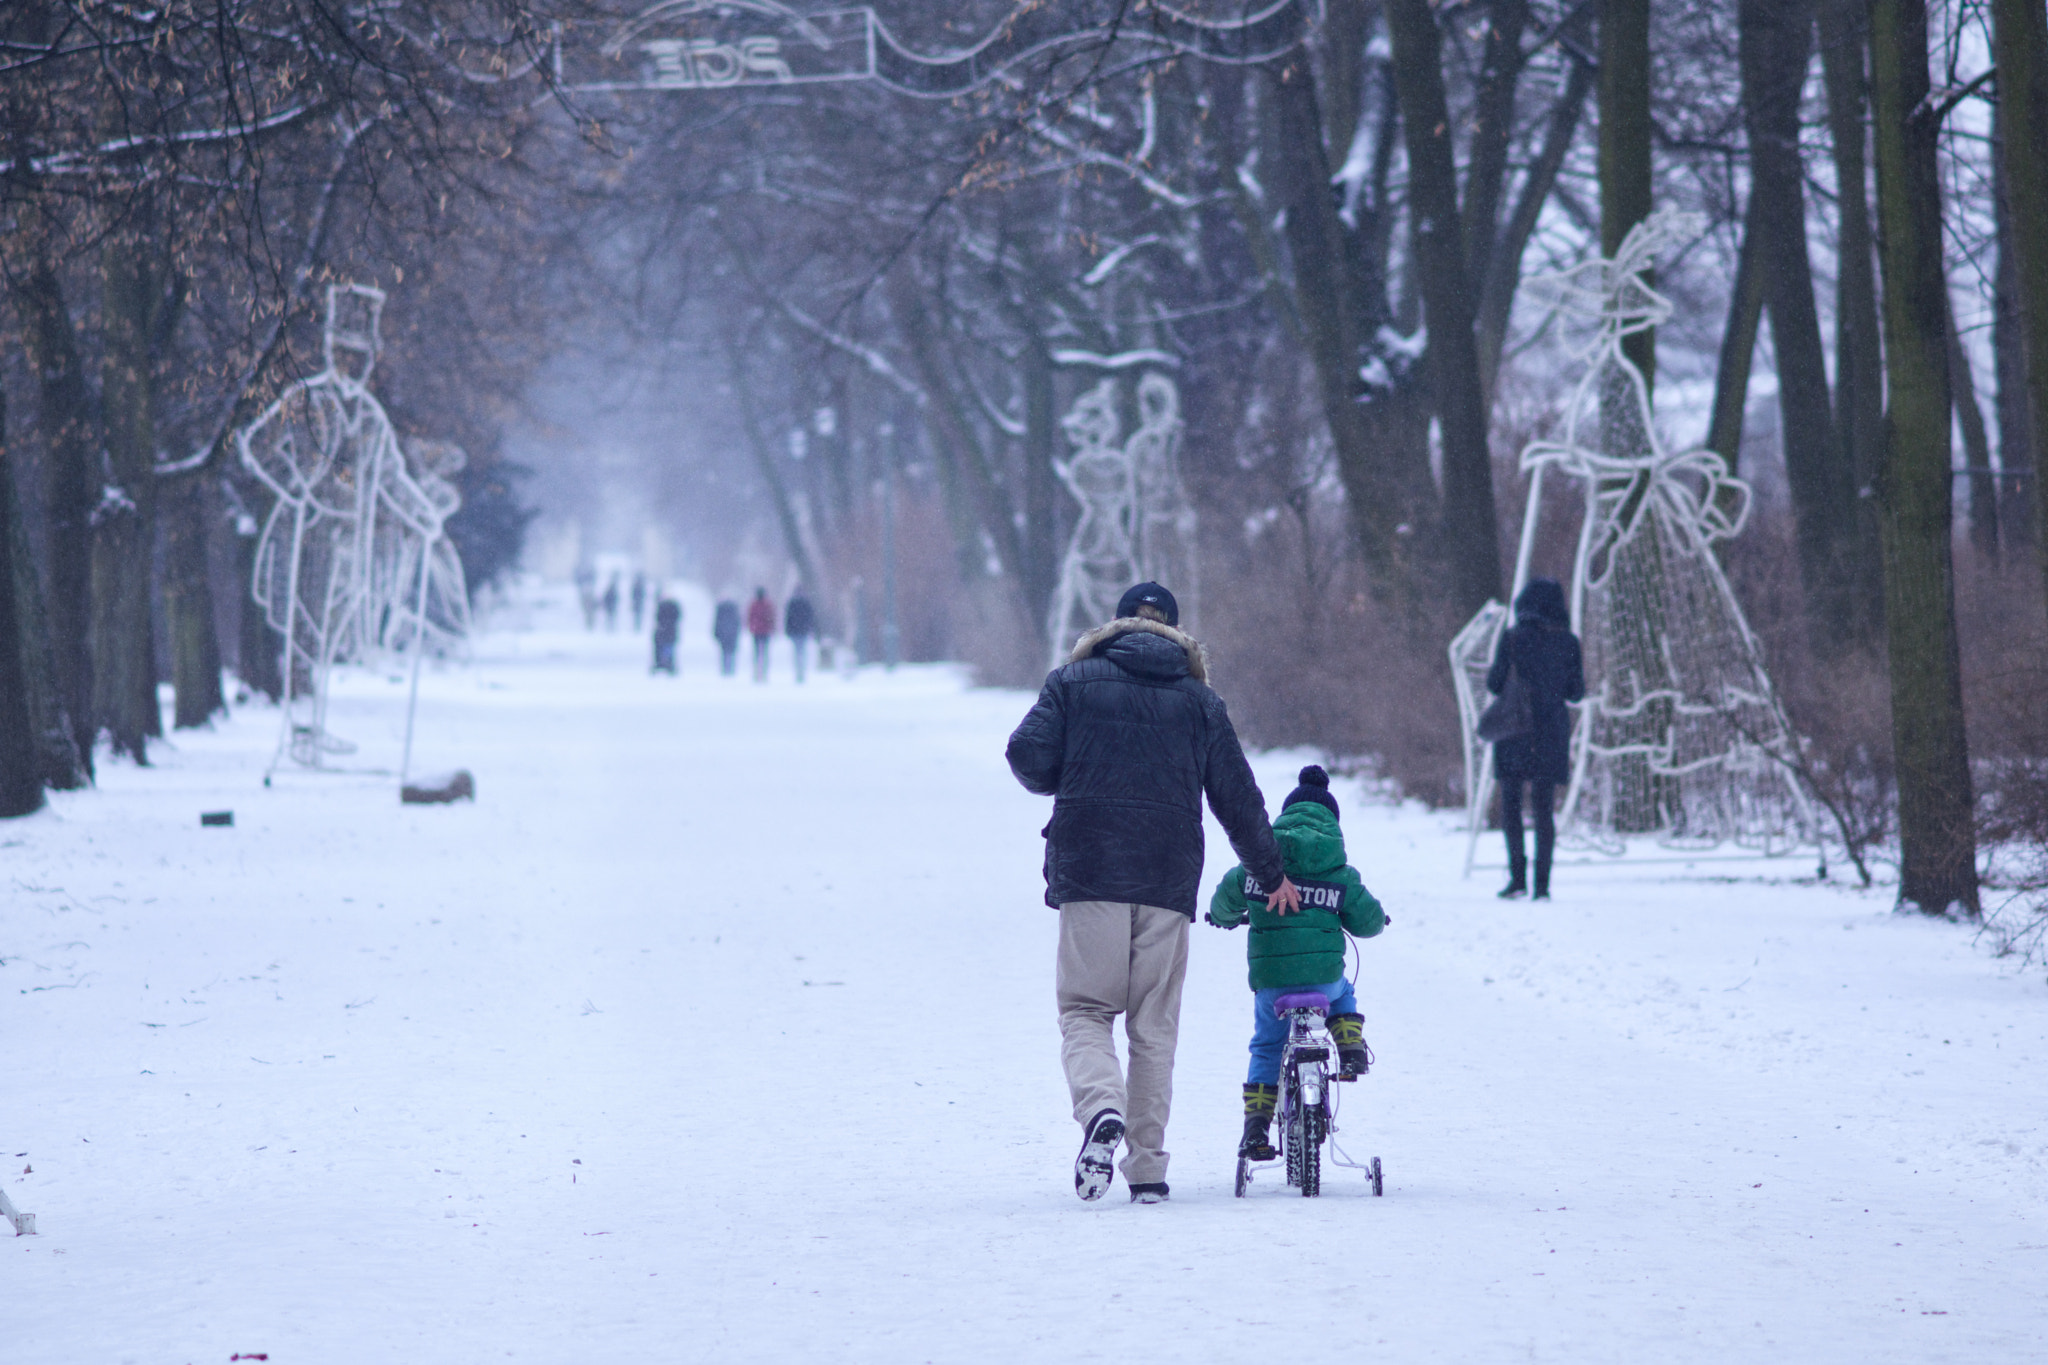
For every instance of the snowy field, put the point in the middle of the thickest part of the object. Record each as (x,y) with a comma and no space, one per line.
(720,1028)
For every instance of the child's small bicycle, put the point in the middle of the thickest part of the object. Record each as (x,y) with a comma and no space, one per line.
(1307,1111)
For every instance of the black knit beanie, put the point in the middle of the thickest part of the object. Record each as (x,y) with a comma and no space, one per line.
(1315,786)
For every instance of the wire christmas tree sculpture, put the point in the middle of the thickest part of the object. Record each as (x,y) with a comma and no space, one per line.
(1136,523)
(352,560)
(1681,734)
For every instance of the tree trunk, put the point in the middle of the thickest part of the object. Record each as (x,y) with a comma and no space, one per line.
(2016,443)
(1983,484)
(21,776)
(188,602)
(980,505)
(1859,354)
(1625,144)
(764,462)
(1493,129)
(2020,48)
(1471,528)
(1738,350)
(71,443)
(1504,274)
(1041,565)
(56,749)
(1330,316)
(259,646)
(1776,43)
(124,655)
(1937,837)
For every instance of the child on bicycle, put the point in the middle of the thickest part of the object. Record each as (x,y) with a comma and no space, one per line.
(1299,952)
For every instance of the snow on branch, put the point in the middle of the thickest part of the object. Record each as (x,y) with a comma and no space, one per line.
(876,362)
(1122,360)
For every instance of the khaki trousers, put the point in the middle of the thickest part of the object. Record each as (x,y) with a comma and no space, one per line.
(1115,958)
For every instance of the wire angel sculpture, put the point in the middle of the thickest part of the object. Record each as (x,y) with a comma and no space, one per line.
(1166,521)
(1101,559)
(1681,733)
(352,560)
(1136,521)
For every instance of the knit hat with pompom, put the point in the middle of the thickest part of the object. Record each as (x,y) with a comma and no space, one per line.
(1315,786)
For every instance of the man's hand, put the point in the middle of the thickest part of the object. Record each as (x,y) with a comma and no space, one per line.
(1286,900)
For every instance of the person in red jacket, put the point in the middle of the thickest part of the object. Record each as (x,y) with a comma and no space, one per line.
(761,625)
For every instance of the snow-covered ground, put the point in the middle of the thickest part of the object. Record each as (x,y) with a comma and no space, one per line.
(720,1028)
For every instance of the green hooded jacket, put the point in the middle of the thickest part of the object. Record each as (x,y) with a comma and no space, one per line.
(1305,949)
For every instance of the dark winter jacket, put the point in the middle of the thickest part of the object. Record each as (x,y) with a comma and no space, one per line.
(668,620)
(1546,653)
(1128,737)
(1305,949)
(725,624)
(799,618)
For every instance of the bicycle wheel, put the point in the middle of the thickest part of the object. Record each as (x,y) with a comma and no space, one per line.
(1379,1184)
(1314,1123)
(1244,1176)
(1290,1139)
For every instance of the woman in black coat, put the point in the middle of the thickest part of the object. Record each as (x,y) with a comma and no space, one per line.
(1541,648)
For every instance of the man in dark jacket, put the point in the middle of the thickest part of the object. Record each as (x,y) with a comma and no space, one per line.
(799,623)
(1127,737)
(1541,649)
(725,628)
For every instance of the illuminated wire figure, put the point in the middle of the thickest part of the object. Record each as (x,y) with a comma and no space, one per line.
(1101,559)
(1680,724)
(1166,521)
(352,560)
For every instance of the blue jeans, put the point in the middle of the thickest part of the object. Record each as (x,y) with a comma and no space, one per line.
(1269,1035)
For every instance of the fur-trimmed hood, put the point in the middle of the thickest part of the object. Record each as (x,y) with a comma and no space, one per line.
(1198,658)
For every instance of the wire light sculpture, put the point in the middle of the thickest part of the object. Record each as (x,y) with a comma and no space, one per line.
(1137,521)
(1681,734)
(1166,520)
(352,561)
(720,44)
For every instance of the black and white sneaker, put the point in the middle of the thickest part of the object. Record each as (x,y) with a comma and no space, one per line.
(1149,1194)
(1095,1167)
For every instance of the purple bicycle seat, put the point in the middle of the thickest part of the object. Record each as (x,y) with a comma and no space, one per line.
(1301,1000)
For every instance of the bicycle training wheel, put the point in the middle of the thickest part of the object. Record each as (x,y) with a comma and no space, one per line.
(1379,1185)
(1244,1175)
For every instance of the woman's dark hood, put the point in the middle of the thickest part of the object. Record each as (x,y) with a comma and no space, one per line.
(1542,599)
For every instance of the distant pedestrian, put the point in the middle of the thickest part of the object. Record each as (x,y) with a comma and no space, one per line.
(799,623)
(668,625)
(725,628)
(586,595)
(639,599)
(1539,656)
(611,603)
(761,625)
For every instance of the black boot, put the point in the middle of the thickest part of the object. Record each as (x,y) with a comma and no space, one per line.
(1518,870)
(1511,831)
(1259,1103)
(1544,796)
(1347,1031)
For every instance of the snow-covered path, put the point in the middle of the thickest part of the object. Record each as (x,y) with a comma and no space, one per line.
(720,1028)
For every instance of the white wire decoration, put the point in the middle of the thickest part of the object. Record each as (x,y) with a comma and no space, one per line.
(1166,521)
(353,561)
(1680,725)
(1136,522)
